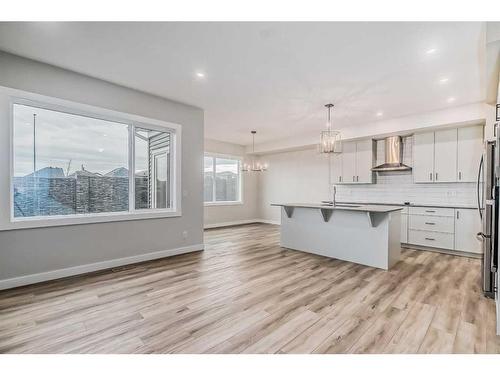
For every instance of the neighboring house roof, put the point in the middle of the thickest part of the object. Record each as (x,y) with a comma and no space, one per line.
(118,172)
(84,174)
(48,172)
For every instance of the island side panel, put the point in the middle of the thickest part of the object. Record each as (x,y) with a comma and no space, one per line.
(346,236)
(394,237)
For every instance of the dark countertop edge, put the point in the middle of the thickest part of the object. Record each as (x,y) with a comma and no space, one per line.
(410,205)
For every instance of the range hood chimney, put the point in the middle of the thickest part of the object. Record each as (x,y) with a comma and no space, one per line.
(393,156)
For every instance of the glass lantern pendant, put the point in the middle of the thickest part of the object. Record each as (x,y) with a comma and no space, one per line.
(330,140)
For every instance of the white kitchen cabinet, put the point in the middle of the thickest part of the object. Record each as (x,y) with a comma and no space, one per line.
(336,168)
(467,225)
(364,161)
(404,227)
(423,157)
(469,151)
(349,162)
(356,163)
(449,155)
(445,155)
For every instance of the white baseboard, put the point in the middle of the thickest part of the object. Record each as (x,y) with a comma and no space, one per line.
(240,222)
(85,268)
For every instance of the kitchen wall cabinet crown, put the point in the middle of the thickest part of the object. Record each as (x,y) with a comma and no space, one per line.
(449,155)
(354,165)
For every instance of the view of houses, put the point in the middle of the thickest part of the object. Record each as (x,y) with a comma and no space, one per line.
(49,192)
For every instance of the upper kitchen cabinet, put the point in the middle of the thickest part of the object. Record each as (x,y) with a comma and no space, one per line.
(348,162)
(445,155)
(450,155)
(469,151)
(336,168)
(364,161)
(354,165)
(423,157)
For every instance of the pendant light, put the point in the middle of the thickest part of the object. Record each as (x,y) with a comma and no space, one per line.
(254,166)
(330,140)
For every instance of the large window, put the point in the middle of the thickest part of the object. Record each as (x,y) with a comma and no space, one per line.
(67,165)
(222,180)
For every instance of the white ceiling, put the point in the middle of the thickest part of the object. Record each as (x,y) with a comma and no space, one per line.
(272,77)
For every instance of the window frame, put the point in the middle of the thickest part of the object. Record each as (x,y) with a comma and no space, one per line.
(132,121)
(214,202)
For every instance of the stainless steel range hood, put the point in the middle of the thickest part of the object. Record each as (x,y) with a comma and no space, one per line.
(393,156)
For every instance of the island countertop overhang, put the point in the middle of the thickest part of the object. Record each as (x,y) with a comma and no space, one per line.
(343,207)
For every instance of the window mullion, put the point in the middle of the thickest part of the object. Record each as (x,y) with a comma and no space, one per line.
(214,160)
(131,168)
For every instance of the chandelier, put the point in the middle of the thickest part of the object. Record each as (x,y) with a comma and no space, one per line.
(330,140)
(254,166)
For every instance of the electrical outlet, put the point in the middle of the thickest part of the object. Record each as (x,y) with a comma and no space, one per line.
(185,234)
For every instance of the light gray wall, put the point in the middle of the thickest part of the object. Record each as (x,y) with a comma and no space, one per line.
(217,215)
(31,251)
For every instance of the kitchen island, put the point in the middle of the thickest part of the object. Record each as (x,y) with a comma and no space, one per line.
(358,233)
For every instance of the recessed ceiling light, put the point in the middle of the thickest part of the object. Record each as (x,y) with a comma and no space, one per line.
(100,150)
(450,100)
(430,51)
(443,80)
(379,114)
(200,74)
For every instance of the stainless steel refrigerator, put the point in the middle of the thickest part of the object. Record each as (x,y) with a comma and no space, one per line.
(488,201)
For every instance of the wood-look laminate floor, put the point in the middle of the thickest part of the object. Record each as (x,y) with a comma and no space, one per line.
(245,294)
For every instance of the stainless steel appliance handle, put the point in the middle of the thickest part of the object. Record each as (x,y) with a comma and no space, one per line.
(478,188)
(481,236)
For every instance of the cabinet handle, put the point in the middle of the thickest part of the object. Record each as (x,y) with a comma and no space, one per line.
(430,176)
(436,176)
(458,214)
(430,239)
(430,211)
(459,175)
(430,223)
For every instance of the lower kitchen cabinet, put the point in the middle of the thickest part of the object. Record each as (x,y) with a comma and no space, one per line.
(431,239)
(467,225)
(404,225)
(444,228)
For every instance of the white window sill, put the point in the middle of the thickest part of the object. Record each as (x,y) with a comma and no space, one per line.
(52,221)
(232,203)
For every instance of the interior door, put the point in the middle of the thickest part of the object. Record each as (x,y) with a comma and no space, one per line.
(445,155)
(423,157)
(469,151)
(349,162)
(364,161)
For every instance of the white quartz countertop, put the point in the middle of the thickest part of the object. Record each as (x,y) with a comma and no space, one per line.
(343,206)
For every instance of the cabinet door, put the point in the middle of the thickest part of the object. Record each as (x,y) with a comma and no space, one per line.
(467,225)
(469,150)
(349,162)
(423,157)
(404,228)
(445,155)
(336,168)
(364,161)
